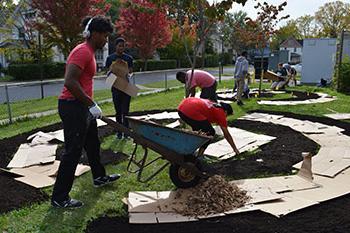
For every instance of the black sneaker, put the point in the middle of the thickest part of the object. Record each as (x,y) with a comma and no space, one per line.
(70,203)
(103,180)
(240,103)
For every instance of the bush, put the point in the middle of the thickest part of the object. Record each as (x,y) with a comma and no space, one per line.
(32,71)
(154,65)
(344,76)
(211,60)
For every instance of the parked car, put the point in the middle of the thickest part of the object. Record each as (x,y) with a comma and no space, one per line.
(298,67)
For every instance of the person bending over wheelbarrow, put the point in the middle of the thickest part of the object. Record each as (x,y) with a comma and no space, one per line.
(200,113)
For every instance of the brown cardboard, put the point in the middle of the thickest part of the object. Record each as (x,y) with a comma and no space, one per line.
(28,155)
(36,180)
(142,202)
(173,217)
(122,84)
(306,169)
(288,205)
(120,68)
(142,218)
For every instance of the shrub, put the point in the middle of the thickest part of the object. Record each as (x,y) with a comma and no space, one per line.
(154,65)
(32,71)
(344,76)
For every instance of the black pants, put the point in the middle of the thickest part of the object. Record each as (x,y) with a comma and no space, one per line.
(121,102)
(80,132)
(210,92)
(203,126)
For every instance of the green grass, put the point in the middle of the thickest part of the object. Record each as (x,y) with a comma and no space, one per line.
(41,218)
(7,78)
(161,84)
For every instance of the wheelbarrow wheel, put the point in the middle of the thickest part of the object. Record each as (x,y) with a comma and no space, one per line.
(182,177)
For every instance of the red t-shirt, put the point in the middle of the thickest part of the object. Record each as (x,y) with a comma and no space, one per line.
(203,109)
(82,56)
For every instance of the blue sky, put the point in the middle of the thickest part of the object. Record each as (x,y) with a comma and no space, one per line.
(295,8)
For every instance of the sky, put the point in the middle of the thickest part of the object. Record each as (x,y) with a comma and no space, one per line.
(295,8)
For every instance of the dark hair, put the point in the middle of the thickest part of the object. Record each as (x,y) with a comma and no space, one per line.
(226,107)
(99,23)
(119,40)
(244,53)
(181,76)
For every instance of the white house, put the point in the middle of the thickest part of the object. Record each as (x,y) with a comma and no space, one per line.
(15,36)
(295,48)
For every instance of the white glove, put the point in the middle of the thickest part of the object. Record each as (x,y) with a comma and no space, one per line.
(95,111)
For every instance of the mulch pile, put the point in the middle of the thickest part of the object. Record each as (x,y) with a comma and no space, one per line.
(213,196)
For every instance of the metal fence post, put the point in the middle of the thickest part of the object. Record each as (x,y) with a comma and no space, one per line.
(166,80)
(133,79)
(8,104)
(219,72)
(42,89)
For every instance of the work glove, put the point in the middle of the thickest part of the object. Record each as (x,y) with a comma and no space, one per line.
(95,111)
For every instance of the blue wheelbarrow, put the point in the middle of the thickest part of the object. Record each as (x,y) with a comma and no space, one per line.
(177,147)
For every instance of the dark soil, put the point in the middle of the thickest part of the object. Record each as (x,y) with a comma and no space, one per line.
(278,157)
(14,194)
(299,96)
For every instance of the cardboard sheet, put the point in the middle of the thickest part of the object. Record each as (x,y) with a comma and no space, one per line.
(142,218)
(173,217)
(339,116)
(329,161)
(243,139)
(288,204)
(36,180)
(40,138)
(28,155)
(122,84)
(141,202)
(174,124)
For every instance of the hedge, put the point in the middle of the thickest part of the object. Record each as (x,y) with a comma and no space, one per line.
(154,65)
(32,71)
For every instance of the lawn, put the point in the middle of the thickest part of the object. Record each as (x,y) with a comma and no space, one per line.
(107,201)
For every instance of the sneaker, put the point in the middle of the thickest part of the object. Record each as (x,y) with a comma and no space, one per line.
(119,136)
(240,103)
(70,203)
(103,180)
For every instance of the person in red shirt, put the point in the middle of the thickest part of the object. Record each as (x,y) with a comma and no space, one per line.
(201,113)
(79,112)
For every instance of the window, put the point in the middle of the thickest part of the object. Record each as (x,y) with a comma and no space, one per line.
(295,50)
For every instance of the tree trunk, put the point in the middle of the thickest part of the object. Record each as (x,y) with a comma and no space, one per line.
(261,70)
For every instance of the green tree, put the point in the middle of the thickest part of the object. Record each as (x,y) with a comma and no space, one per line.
(333,18)
(307,26)
(289,30)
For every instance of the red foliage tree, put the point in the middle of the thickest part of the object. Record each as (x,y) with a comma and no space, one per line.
(60,20)
(144,26)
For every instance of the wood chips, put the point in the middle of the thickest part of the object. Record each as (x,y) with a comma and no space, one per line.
(213,196)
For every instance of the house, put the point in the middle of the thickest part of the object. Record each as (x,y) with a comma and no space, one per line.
(14,35)
(295,48)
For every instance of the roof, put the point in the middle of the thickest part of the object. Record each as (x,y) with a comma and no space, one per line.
(291,42)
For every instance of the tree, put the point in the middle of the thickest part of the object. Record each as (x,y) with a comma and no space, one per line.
(289,30)
(16,19)
(259,31)
(307,26)
(144,26)
(176,49)
(60,20)
(201,14)
(333,18)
